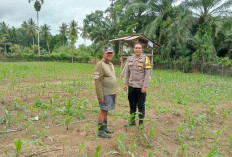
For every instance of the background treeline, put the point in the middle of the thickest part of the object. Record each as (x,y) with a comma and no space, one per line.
(194,32)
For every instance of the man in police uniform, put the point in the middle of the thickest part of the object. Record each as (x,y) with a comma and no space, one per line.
(137,80)
(105,84)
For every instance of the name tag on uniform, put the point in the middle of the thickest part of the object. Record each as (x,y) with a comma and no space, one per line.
(130,63)
(140,66)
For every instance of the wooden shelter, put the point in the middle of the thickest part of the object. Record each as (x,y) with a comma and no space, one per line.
(130,40)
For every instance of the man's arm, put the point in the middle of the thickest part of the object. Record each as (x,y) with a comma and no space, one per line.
(98,76)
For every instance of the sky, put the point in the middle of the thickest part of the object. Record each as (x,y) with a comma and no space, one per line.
(53,12)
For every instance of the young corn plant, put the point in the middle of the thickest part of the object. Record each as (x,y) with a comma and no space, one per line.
(132,146)
(8,116)
(80,147)
(179,130)
(27,124)
(214,151)
(87,128)
(68,121)
(181,149)
(119,142)
(97,153)
(230,141)
(18,145)
(150,137)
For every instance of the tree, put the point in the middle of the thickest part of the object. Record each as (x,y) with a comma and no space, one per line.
(15,48)
(56,41)
(37,6)
(4,29)
(99,28)
(3,42)
(12,33)
(30,28)
(63,31)
(73,35)
(206,9)
(45,34)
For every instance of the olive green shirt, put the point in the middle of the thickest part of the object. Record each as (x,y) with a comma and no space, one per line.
(138,71)
(105,79)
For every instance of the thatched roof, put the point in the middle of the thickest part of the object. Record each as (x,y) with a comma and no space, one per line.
(130,40)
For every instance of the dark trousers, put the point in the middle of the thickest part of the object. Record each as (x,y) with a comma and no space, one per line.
(137,99)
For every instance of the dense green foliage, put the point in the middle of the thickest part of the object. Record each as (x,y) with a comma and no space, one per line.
(194,31)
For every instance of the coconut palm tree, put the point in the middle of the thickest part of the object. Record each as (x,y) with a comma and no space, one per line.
(63,31)
(3,42)
(73,34)
(4,30)
(205,9)
(30,27)
(45,34)
(37,6)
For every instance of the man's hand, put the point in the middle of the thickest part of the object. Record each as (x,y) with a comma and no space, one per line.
(125,88)
(144,90)
(101,100)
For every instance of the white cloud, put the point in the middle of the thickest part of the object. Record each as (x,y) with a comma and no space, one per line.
(53,12)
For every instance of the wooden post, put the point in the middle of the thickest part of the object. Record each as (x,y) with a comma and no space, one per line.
(152,53)
(121,52)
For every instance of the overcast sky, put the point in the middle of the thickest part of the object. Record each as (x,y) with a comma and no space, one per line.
(53,12)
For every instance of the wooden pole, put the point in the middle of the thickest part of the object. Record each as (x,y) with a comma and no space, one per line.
(152,53)
(121,51)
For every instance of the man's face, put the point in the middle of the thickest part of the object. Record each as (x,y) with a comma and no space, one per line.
(138,49)
(108,56)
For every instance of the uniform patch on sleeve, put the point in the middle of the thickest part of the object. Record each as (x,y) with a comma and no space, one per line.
(147,63)
(96,75)
(130,63)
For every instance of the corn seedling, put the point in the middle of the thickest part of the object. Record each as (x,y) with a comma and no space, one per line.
(182,149)
(18,145)
(87,128)
(214,151)
(97,153)
(132,146)
(230,141)
(68,121)
(119,142)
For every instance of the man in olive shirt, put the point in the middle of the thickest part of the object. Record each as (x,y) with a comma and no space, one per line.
(105,84)
(137,78)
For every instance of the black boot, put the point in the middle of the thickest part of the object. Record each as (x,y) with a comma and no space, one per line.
(131,122)
(106,129)
(101,131)
(141,124)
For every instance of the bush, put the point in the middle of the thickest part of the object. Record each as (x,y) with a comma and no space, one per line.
(47,57)
(225,61)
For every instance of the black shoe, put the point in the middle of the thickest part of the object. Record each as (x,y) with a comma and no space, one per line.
(129,124)
(141,125)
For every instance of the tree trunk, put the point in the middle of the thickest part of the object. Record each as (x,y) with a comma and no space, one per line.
(72,53)
(48,47)
(5,48)
(38,32)
(63,40)
(33,42)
